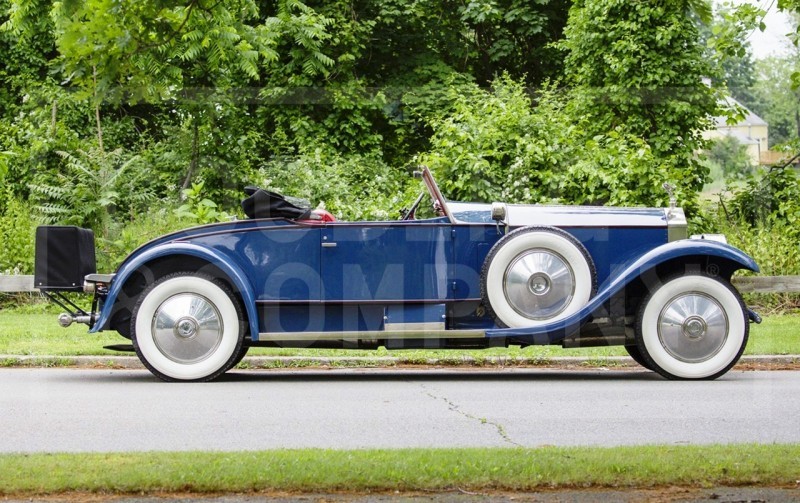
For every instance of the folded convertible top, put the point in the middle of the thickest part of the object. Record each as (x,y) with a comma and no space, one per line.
(262,203)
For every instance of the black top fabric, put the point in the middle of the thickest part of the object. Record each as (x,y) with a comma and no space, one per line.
(265,204)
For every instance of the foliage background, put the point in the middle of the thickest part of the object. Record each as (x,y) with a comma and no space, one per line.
(137,117)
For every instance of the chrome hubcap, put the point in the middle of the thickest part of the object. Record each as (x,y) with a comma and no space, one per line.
(692,327)
(539,284)
(187,328)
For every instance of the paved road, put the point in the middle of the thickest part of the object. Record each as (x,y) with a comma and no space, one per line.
(127,410)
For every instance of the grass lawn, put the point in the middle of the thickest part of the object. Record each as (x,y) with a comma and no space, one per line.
(33,331)
(316,470)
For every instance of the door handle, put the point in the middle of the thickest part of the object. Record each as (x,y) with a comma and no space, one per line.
(329,245)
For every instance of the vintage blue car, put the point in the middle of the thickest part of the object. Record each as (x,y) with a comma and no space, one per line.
(445,275)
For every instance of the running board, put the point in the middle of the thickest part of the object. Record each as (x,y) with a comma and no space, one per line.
(371,335)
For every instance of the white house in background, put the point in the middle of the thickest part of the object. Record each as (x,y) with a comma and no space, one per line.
(752,132)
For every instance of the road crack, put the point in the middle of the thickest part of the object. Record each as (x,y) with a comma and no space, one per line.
(457,409)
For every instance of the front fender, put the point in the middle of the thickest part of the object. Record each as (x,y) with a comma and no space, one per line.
(683,249)
(220,260)
(555,332)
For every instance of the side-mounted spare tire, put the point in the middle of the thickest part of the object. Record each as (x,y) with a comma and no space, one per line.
(536,275)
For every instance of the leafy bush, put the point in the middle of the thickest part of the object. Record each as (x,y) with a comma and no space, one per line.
(731,156)
(17,228)
(775,249)
(761,217)
(769,199)
(129,235)
(617,168)
(199,209)
(498,146)
(352,187)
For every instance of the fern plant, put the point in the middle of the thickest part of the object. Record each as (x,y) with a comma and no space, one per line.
(92,185)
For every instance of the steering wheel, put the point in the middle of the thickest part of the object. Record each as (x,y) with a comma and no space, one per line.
(411,213)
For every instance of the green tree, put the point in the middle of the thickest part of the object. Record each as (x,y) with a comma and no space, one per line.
(479,38)
(137,63)
(638,67)
(777,102)
(731,157)
(725,39)
(139,50)
(497,146)
(332,100)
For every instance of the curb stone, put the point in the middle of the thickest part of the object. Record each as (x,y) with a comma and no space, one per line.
(284,362)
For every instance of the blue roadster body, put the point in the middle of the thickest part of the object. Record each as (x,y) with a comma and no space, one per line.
(471,275)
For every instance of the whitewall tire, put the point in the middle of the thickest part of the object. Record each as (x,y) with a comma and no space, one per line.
(536,275)
(239,357)
(692,327)
(187,327)
(636,355)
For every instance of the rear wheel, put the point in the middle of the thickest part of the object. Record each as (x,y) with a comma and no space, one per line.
(188,327)
(692,327)
(633,352)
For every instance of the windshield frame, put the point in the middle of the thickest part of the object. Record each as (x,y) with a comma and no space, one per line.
(440,204)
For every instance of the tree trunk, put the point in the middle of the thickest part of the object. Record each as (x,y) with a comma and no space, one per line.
(53,115)
(797,122)
(97,111)
(194,161)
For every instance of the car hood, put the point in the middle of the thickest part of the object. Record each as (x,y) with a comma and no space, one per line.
(519,215)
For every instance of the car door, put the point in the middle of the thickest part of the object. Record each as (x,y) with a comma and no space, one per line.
(386,262)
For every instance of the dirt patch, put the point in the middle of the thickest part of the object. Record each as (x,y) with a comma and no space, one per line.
(767,366)
(654,495)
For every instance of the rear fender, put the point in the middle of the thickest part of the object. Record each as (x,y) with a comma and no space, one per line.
(224,263)
(644,266)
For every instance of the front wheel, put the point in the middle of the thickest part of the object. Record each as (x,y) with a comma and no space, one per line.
(692,327)
(239,357)
(188,327)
